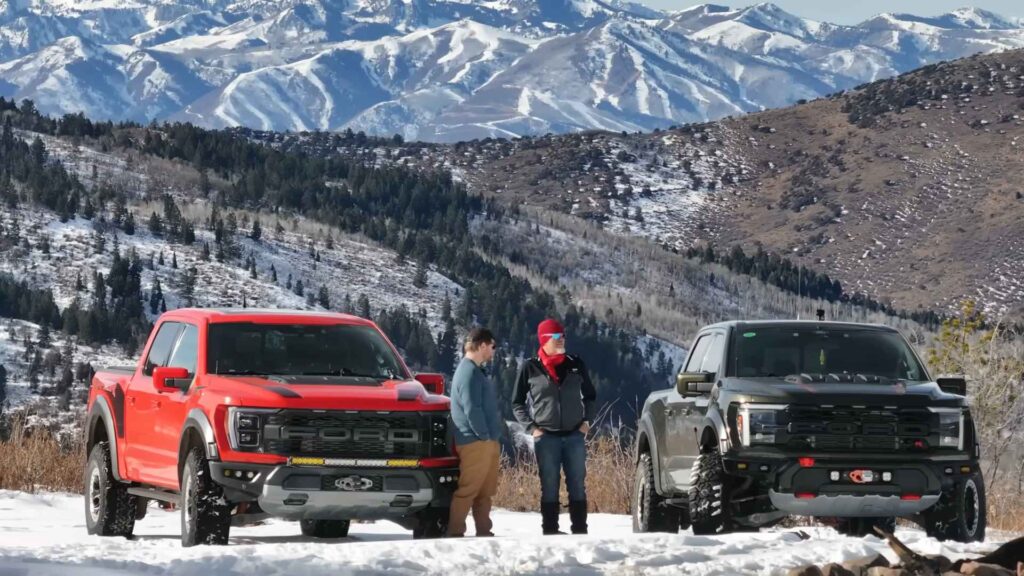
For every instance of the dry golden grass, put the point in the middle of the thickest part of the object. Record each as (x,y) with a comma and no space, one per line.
(609,479)
(34,461)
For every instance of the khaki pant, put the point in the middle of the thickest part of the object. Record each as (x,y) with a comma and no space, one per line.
(478,481)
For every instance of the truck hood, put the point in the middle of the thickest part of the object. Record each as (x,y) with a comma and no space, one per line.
(318,393)
(778,390)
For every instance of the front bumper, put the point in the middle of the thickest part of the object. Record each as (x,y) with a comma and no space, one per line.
(850,505)
(824,485)
(324,493)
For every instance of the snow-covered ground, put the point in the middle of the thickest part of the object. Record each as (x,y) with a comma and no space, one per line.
(44,534)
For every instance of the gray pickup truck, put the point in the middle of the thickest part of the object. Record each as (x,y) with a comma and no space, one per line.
(833,420)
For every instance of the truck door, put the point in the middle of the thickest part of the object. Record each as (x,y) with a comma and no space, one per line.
(172,408)
(141,441)
(675,464)
(697,405)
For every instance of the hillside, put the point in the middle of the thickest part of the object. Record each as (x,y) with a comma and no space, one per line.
(451,70)
(905,190)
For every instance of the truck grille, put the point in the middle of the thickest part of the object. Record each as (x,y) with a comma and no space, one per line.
(856,429)
(343,434)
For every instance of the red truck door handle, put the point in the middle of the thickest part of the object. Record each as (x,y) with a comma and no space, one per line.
(131,400)
(158,403)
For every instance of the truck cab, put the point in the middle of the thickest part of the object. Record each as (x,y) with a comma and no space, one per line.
(242,413)
(839,421)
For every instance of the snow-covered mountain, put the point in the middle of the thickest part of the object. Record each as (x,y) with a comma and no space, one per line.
(448,70)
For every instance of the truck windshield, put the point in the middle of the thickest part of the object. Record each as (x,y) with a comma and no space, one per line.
(823,353)
(301,350)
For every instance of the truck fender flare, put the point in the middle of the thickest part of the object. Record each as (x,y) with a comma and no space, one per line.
(645,432)
(101,411)
(713,433)
(197,422)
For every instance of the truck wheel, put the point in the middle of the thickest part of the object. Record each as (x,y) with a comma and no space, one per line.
(860,527)
(431,523)
(324,528)
(650,513)
(205,512)
(960,515)
(109,508)
(708,507)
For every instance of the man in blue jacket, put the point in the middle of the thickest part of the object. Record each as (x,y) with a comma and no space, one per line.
(474,408)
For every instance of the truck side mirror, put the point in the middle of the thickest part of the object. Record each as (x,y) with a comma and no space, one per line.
(434,383)
(690,383)
(953,384)
(170,378)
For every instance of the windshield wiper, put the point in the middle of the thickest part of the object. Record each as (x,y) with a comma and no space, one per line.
(344,372)
(236,372)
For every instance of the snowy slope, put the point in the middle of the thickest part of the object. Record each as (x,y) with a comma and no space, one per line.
(44,535)
(454,69)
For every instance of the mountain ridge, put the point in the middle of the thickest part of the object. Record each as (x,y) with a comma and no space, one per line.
(236,63)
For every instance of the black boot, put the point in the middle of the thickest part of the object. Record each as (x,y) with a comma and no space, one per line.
(549,517)
(578,515)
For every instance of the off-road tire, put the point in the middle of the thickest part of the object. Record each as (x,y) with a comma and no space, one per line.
(431,523)
(860,527)
(960,514)
(650,512)
(709,508)
(324,528)
(205,511)
(109,508)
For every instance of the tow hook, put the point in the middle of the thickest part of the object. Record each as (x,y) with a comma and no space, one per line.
(353,484)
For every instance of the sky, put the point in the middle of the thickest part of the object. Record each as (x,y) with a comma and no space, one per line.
(854,11)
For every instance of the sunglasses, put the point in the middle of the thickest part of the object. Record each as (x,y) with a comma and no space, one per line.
(556,336)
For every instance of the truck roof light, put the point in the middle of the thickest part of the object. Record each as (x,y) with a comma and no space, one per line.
(806,462)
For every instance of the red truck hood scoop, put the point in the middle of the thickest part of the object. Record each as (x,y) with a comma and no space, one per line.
(324,380)
(332,392)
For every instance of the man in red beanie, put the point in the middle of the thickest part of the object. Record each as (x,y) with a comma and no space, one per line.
(554,399)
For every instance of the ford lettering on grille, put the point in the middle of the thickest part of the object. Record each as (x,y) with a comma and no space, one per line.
(351,434)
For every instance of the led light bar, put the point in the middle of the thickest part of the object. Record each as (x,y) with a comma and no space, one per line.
(374,463)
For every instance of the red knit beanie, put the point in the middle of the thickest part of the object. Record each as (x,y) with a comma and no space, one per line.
(548,327)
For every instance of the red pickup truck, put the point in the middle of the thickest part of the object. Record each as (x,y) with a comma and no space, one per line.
(238,414)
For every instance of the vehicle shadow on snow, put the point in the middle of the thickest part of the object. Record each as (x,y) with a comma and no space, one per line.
(243,540)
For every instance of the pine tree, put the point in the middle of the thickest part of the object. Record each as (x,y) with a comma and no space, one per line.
(3,387)
(323,298)
(79,286)
(45,340)
(174,260)
(155,224)
(363,307)
(188,286)
(188,233)
(299,288)
(205,255)
(257,231)
(155,297)
(420,279)
(273,274)
(160,259)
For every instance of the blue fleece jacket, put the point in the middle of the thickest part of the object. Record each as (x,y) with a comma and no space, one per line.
(474,404)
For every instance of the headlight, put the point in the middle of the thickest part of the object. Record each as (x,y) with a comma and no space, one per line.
(758,423)
(245,428)
(951,427)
